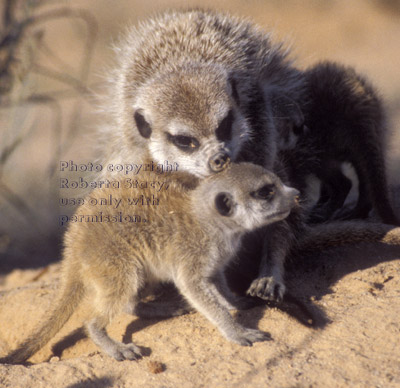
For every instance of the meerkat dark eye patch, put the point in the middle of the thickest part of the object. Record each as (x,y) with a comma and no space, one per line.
(143,126)
(224,204)
(299,130)
(224,130)
(266,192)
(184,143)
(234,91)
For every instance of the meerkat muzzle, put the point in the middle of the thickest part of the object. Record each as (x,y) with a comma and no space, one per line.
(219,161)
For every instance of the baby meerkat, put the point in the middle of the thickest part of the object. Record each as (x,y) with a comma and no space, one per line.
(187,239)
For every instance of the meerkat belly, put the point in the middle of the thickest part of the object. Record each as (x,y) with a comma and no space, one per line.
(158,272)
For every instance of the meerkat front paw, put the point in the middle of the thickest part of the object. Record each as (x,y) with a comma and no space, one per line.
(267,288)
(246,336)
(123,352)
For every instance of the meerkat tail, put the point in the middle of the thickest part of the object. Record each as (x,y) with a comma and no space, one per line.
(71,296)
(342,233)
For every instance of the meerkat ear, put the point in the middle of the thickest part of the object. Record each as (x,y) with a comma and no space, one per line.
(224,204)
(143,126)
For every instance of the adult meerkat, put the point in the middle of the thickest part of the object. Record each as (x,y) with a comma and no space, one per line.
(345,122)
(187,239)
(193,87)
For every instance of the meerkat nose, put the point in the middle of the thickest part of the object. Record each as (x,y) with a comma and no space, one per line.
(292,193)
(219,161)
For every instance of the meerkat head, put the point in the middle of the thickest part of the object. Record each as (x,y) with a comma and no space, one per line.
(244,197)
(289,120)
(190,116)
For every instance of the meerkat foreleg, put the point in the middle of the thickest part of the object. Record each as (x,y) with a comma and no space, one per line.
(201,293)
(269,285)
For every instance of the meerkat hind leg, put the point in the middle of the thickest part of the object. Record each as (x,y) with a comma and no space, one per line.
(115,349)
(202,295)
(105,309)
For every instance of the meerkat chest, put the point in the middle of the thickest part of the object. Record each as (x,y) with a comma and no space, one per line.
(221,253)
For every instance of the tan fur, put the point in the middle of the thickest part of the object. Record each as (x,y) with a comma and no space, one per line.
(187,239)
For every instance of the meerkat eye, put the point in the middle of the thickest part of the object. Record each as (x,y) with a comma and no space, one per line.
(185,143)
(224,204)
(224,130)
(266,192)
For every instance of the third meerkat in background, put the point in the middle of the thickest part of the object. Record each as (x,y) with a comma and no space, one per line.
(344,122)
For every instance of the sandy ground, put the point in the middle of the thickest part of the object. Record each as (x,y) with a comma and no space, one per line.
(352,294)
